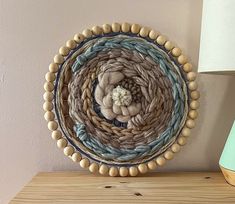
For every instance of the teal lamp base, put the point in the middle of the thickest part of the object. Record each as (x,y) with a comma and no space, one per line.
(227,159)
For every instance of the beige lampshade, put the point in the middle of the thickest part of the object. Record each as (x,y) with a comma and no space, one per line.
(217,47)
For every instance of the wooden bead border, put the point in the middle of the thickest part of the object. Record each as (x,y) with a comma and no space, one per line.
(103,169)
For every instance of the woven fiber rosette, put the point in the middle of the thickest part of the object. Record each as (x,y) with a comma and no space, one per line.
(124,98)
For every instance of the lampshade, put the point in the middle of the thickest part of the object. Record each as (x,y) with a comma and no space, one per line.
(217,47)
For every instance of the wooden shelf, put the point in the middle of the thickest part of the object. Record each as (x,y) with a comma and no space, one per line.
(82,187)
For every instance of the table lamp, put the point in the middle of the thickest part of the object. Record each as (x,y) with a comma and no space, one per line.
(217,56)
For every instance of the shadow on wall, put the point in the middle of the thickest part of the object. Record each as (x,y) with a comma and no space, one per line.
(194,13)
(216,114)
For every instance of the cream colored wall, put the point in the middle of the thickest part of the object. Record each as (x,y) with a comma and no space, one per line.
(31,31)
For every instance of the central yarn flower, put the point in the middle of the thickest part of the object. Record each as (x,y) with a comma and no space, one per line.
(121,96)
(115,101)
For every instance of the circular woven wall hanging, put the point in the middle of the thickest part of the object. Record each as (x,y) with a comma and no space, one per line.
(124,99)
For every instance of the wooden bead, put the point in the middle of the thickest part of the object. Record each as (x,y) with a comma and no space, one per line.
(153,34)
(194,104)
(186,132)
(113,171)
(152,165)
(195,95)
(84,163)
(58,59)
(48,96)
(47,106)
(103,169)
(176,52)
(190,123)
(94,167)
(126,27)
(191,76)
(97,30)
(161,40)
(175,148)
(69,150)
(187,67)
(169,155)
(142,168)
(71,44)
(182,140)
(64,51)
(169,45)
(87,33)
(144,31)
(192,85)
(161,161)
(53,67)
(78,37)
(56,135)
(123,171)
(116,27)
(135,28)
(49,116)
(62,143)
(133,171)
(193,114)
(50,76)
(107,28)
(48,86)
(182,59)
(52,125)
(76,157)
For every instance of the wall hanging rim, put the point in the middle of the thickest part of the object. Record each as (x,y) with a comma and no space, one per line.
(160,40)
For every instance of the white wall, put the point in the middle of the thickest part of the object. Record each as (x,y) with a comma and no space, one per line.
(31,31)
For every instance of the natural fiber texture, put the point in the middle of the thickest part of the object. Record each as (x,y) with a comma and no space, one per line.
(128,132)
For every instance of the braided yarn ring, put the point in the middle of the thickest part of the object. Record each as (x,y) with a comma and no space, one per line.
(124,97)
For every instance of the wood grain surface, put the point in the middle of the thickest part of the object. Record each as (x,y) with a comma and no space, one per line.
(82,187)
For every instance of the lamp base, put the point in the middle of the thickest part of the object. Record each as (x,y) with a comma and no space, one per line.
(229,175)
